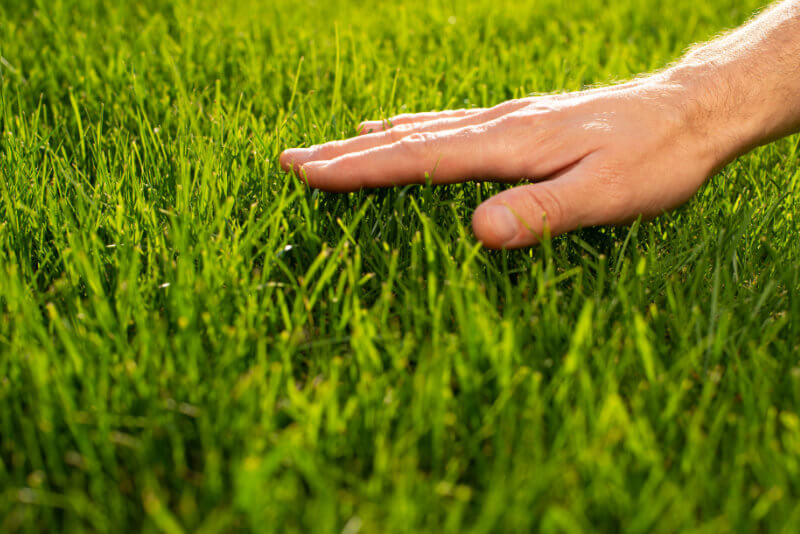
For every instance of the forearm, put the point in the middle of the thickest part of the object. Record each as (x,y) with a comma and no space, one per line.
(743,88)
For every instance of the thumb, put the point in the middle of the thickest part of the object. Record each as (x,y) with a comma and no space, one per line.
(519,217)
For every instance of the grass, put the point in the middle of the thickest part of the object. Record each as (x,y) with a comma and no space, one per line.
(191,341)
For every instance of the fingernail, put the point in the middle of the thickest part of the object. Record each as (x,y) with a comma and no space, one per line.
(502,223)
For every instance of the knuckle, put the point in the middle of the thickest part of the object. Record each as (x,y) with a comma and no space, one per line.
(316,150)
(333,146)
(545,205)
(535,126)
(397,133)
(533,117)
(329,149)
(514,119)
(419,144)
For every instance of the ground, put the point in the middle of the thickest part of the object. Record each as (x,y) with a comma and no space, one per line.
(192,341)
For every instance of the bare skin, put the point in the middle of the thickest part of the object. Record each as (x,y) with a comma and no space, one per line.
(602,156)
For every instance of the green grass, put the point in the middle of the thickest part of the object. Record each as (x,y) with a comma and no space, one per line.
(190,340)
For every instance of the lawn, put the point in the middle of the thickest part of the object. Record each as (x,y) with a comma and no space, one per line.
(191,340)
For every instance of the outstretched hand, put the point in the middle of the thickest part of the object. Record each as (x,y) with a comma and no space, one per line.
(602,156)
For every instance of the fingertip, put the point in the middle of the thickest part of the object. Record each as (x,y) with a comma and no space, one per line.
(495,225)
(310,172)
(285,160)
(292,158)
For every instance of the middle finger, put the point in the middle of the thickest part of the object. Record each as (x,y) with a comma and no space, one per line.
(295,157)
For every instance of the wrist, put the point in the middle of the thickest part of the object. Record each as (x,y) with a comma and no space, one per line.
(743,89)
(729,113)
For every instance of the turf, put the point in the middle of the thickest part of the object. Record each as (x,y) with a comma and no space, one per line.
(192,341)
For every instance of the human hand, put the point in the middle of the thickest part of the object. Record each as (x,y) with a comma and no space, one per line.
(602,156)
